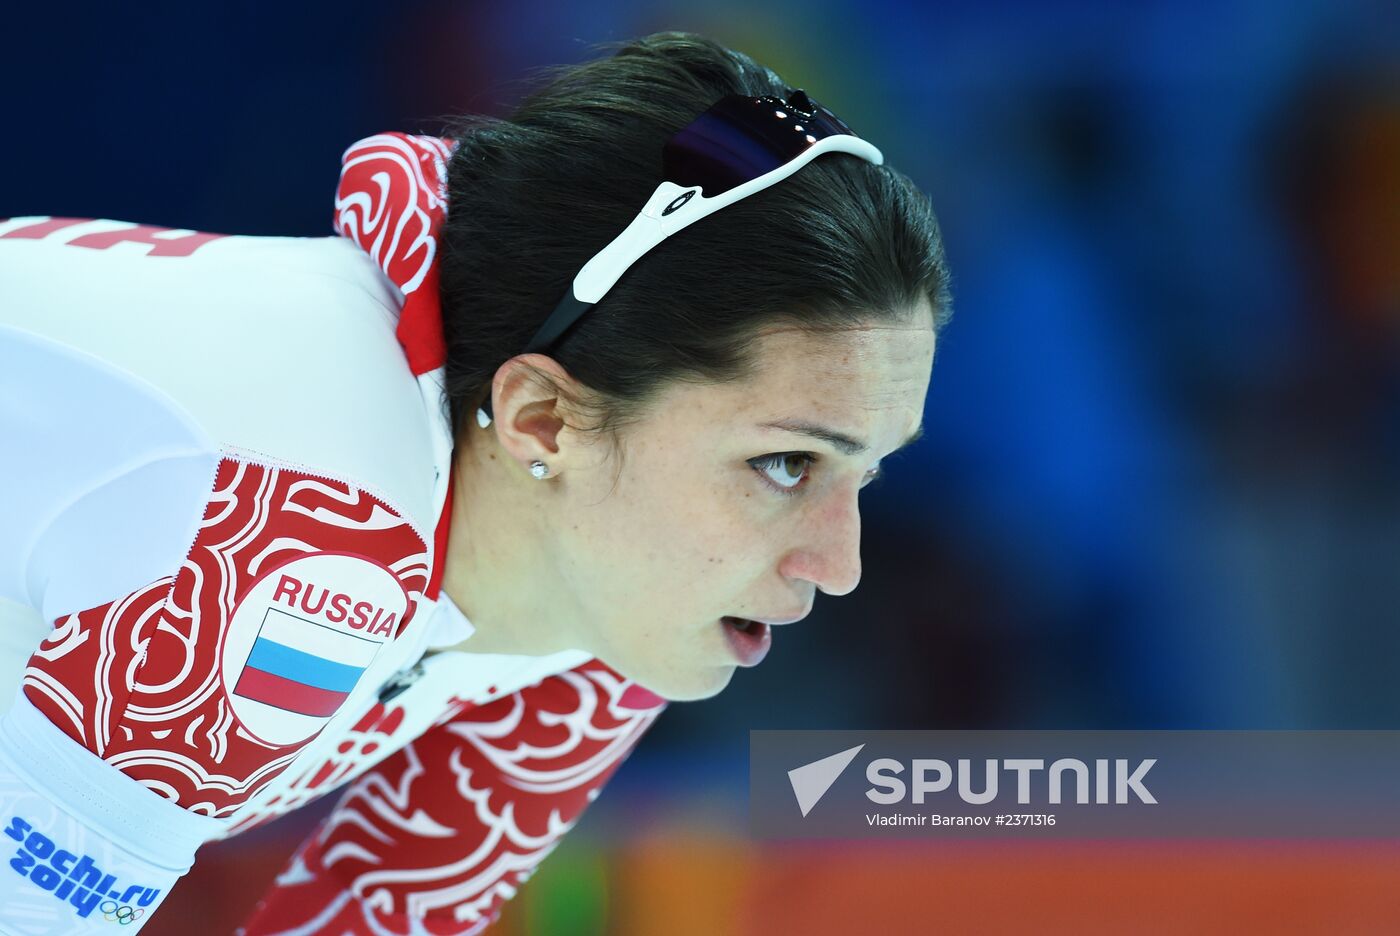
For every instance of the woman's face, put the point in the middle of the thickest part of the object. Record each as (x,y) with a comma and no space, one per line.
(739,500)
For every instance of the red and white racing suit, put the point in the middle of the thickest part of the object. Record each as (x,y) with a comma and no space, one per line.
(225,487)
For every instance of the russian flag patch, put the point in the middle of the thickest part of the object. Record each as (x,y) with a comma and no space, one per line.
(302,637)
(303,667)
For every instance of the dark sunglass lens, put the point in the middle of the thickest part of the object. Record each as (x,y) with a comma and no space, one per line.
(819,115)
(739,139)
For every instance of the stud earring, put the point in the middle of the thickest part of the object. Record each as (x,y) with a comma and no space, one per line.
(539,469)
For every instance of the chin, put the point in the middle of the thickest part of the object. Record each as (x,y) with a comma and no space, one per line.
(687,685)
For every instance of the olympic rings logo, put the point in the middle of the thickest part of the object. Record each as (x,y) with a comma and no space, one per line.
(114,912)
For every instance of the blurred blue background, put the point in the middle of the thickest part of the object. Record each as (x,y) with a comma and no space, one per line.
(1160,483)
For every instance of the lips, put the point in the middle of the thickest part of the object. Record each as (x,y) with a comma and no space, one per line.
(749,640)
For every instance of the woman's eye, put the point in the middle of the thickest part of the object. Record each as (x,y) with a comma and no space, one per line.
(788,471)
(785,470)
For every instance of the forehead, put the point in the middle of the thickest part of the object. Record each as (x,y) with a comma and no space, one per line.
(869,379)
(871,359)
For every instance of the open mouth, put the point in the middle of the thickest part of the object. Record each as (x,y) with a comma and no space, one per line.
(744,625)
(748,640)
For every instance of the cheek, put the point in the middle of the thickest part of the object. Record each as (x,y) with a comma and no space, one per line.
(683,533)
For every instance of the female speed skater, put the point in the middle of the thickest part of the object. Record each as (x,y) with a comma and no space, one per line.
(438,513)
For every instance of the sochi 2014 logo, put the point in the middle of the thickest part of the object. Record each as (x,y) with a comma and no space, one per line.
(75,878)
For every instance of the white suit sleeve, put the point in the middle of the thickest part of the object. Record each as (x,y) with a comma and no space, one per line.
(103,481)
(103,477)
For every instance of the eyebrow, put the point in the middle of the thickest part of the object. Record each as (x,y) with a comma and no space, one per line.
(843,443)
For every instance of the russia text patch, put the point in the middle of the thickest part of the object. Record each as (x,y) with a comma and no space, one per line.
(302,636)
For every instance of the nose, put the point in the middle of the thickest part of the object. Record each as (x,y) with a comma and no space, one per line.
(828,555)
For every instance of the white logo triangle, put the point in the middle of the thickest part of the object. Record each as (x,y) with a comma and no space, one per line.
(811,781)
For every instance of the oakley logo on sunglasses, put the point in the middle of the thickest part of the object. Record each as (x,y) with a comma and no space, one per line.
(679,201)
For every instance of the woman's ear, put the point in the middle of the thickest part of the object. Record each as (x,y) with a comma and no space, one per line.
(529,401)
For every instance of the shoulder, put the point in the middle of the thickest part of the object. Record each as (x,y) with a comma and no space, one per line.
(280,348)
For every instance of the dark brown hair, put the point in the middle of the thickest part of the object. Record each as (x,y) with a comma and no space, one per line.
(533,196)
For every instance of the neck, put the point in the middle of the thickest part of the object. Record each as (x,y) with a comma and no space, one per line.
(497,555)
